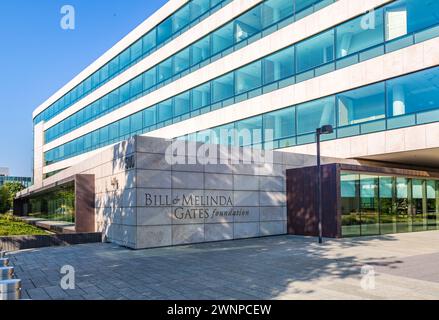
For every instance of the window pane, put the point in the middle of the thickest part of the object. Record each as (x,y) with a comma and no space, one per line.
(181,18)
(164,30)
(223,87)
(282,123)
(369,205)
(388,215)
(198,7)
(165,70)
(315,51)
(249,131)
(248,24)
(361,105)
(165,110)
(182,104)
(124,127)
(200,50)
(276,10)
(125,58)
(124,93)
(432,204)
(353,37)
(302,5)
(136,122)
(248,78)
(222,38)
(402,205)
(201,96)
(408,16)
(419,222)
(149,116)
(149,79)
(313,115)
(149,41)
(181,61)
(136,50)
(279,65)
(136,86)
(413,93)
(350,218)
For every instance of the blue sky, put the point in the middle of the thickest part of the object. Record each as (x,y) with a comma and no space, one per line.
(38,57)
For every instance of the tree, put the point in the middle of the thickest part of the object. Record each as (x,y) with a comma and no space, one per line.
(7,195)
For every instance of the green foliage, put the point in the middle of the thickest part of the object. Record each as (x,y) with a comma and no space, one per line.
(12,226)
(7,195)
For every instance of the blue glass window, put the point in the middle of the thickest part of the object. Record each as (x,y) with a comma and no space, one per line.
(276,10)
(149,41)
(361,105)
(165,110)
(361,33)
(182,104)
(315,51)
(223,87)
(407,16)
(124,126)
(124,92)
(200,50)
(279,65)
(136,86)
(248,24)
(136,122)
(315,114)
(149,78)
(113,67)
(181,61)
(136,50)
(149,116)
(413,93)
(222,38)
(164,30)
(164,70)
(248,77)
(249,131)
(201,96)
(198,7)
(181,18)
(282,123)
(125,58)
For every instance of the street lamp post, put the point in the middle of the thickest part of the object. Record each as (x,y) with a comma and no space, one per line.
(327,129)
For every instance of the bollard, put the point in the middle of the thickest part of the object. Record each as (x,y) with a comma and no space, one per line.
(4,262)
(6,273)
(10,289)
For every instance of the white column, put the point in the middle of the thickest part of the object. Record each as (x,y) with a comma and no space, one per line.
(345,44)
(398,103)
(38,154)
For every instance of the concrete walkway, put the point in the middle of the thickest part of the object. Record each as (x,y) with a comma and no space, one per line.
(285,267)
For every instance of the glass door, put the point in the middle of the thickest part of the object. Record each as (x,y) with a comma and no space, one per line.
(403,223)
(388,216)
(419,205)
(350,215)
(432,204)
(369,205)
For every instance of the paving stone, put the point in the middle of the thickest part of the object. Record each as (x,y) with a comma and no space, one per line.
(282,267)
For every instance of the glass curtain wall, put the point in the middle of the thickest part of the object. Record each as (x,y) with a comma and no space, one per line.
(372,204)
(58,205)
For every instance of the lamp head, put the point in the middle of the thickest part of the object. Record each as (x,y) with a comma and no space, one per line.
(326,129)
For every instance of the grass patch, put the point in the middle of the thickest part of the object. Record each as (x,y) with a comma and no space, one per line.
(11,226)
